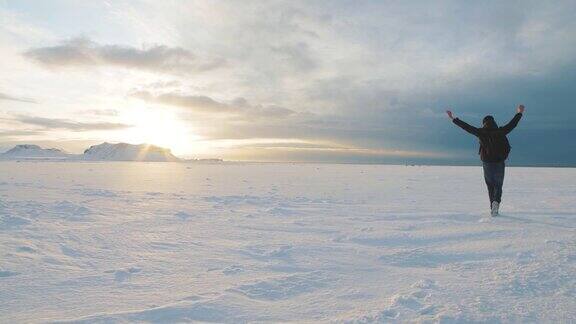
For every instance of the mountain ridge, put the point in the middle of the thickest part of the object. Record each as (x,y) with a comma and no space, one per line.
(32,151)
(100,152)
(129,152)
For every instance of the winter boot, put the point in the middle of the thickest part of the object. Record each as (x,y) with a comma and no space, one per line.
(495,206)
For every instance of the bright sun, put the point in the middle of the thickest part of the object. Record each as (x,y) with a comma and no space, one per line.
(158,127)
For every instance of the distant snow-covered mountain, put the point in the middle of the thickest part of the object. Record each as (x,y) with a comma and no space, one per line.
(30,151)
(128,152)
(100,152)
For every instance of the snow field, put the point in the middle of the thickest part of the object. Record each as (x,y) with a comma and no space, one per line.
(176,242)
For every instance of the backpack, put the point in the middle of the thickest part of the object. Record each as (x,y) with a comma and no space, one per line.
(496,146)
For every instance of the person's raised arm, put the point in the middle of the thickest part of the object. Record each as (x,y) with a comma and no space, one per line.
(514,122)
(469,128)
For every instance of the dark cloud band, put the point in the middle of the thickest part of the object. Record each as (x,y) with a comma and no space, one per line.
(4,96)
(204,104)
(85,52)
(51,123)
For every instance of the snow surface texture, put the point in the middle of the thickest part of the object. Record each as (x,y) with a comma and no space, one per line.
(173,242)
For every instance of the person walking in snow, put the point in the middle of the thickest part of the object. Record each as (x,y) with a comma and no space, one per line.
(494,150)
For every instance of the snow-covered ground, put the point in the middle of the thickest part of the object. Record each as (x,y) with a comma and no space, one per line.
(177,242)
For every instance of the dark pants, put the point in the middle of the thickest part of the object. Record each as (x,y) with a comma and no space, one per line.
(494,177)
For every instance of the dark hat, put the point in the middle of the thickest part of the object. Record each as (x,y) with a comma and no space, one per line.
(487,119)
(489,122)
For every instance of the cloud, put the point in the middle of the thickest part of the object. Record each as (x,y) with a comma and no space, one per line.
(315,152)
(12,133)
(163,84)
(66,124)
(321,147)
(296,55)
(205,104)
(7,97)
(102,112)
(85,52)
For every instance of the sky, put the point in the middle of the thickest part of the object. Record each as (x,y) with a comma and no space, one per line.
(324,81)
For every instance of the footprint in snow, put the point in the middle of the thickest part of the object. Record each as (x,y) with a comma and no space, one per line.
(6,273)
(266,252)
(280,211)
(409,301)
(68,251)
(97,193)
(8,222)
(425,284)
(410,305)
(70,211)
(27,249)
(284,287)
(232,270)
(182,215)
(124,274)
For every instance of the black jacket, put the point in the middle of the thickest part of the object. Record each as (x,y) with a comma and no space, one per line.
(488,136)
